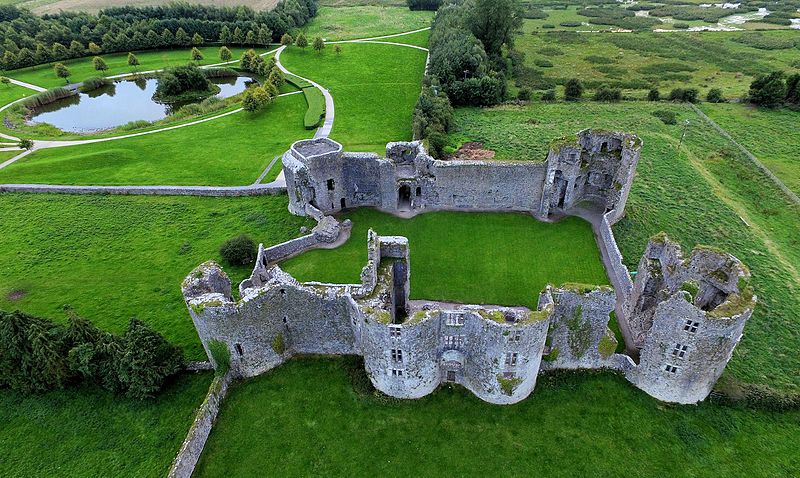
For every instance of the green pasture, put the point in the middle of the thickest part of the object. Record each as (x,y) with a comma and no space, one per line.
(11,92)
(364,21)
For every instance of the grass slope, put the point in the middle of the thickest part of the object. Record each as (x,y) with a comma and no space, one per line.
(305,419)
(9,93)
(374,88)
(203,154)
(82,68)
(90,432)
(707,194)
(114,257)
(770,134)
(468,257)
(363,21)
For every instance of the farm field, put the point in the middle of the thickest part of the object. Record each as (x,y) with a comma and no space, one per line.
(707,194)
(54,6)
(89,432)
(202,154)
(586,424)
(363,21)
(115,257)
(82,68)
(771,135)
(474,258)
(374,87)
(638,62)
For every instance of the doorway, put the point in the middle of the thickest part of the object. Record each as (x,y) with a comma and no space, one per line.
(404,197)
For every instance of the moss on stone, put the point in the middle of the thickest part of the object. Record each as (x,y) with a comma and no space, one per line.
(538,315)
(493,315)
(735,305)
(580,333)
(279,344)
(552,356)
(692,287)
(583,288)
(660,238)
(564,141)
(607,346)
(507,385)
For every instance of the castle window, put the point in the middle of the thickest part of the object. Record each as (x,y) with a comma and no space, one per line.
(671,369)
(454,341)
(515,336)
(691,326)
(679,350)
(397,372)
(239,349)
(455,319)
(331,184)
(419,191)
(511,358)
(285,319)
(397,355)
(394,332)
(283,291)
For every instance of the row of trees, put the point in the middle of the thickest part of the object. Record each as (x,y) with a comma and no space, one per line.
(30,40)
(37,355)
(257,97)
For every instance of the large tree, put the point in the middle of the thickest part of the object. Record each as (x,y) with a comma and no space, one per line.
(494,23)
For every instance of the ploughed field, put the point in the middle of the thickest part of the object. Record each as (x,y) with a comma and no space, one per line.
(474,258)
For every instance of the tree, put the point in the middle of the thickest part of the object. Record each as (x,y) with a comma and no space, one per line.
(167,38)
(225,36)
(197,40)
(337,49)
(238,36)
(605,93)
(25,144)
(250,39)
(319,44)
(286,40)
(99,64)
(76,49)
(94,48)
(264,36)
(146,360)
(5,81)
(573,89)
(9,60)
(122,42)
(182,38)
(62,71)
(133,61)
(458,55)
(59,51)
(247,62)
(276,77)
(714,95)
(25,58)
(42,54)
(768,90)
(494,23)
(176,81)
(302,41)
(653,95)
(224,53)
(152,40)
(241,250)
(793,89)
(196,54)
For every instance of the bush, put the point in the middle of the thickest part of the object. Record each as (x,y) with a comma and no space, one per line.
(768,90)
(681,26)
(432,114)
(543,63)
(548,26)
(95,83)
(667,117)
(570,24)
(25,144)
(599,60)
(549,95)
(179,81)
(147,359)
(680,94)
(432,5)
(485,91)
(714,95)
(524,94)
(605,93)
(653,95)
(239,251)
(436,143)
(573,89)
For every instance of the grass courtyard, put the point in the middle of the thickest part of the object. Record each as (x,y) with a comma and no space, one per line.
(479,258)
(305,418)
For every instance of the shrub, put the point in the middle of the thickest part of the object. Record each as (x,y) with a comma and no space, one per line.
(549,95)
(485,91)
(25,144)
(45,97)
(174,82)
(437,141)
(653,95)
(714,95)
(570,24)
(524,94)
(680,94)
(146,360)
(240,250)
(432,5)
(681,26)
(763,42)
(573,89)
(605,93)
(599,60)
(95,83)
(548,26)
(432,114)
(543,63)
(667,117)
(768,90)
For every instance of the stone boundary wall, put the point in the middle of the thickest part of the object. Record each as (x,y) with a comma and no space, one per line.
(285,250)
(758,164)
(621,275)
(189,454)
(258,190)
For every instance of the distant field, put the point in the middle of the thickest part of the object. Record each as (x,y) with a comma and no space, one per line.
(478,258)
(54,6)
(347,23)
(770,134)
(637,62)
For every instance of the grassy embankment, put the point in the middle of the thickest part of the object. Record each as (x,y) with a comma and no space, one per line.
(364,21)
(305,419)
(705,194)
(478,258)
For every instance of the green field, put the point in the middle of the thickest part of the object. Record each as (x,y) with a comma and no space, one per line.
(90,432)
(9,93)
(770,134)
(480,258)
(640,61)
(707,194)
(5,155)
(374,88)
(82,68)
(306,419)
(114,257)
(202,154)
(352,22)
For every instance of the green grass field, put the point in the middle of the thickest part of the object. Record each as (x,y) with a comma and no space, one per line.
(82,68)
(364,21)
(637,62)
(374,88)
(90,432)
(202,154)
(114,257)
(478,258)
(771,135)
(306,419)
(4,155)
(9,93)
(707,194)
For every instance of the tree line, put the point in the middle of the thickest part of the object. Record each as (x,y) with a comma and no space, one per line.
(29,40)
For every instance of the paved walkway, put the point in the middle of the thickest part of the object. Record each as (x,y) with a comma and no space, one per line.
(330,113)
(27,85)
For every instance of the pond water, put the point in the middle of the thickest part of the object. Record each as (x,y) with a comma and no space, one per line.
(118,104)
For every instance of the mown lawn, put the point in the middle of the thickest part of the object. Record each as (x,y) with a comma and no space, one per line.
(706,194)
(202,154)
(11,92)
(114,257)
(480,258)
(305,418)
(90,432)
(364,21)
(83,68)
(640,61)
(770,134)
(4,155)
(375,88)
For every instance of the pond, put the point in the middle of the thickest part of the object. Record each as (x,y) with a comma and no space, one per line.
(118,104)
